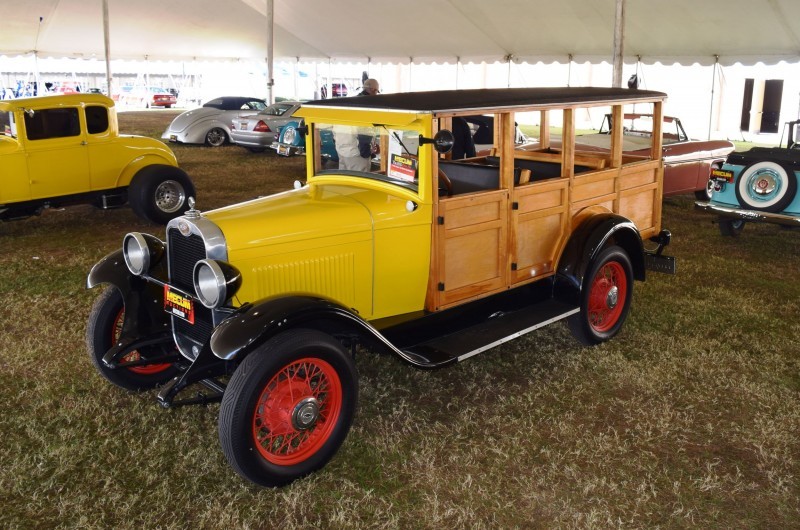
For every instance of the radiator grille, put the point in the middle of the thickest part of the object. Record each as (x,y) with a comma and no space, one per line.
(184,252)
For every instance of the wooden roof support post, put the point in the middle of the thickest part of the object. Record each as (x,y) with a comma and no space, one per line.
(544,129)
(506,151)
(568,144)
(617,126)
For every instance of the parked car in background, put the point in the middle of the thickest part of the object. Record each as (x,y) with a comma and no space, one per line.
(434,261)
(687,163)
(66,149)
(211,123)
(256,132)
(144,97)
(339,90)
(759,185)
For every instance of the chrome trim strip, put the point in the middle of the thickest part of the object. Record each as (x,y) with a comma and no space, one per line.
(748,215)
(518,334)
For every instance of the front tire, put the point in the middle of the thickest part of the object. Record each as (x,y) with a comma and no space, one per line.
(103,330)
(216,137)
(288,407)
(606,295)
(159,193)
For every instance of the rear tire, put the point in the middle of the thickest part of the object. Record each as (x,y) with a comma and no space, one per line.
(216,137)
(288,407)
(606,294)
(159,193)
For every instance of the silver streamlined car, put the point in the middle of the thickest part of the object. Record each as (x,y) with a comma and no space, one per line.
(258,131)
(210,124)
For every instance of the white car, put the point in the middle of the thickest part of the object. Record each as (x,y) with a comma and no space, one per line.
(210,124)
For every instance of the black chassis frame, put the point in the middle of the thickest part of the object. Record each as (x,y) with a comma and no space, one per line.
(105,199)
(146,323)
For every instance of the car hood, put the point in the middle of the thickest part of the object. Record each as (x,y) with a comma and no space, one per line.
(321,213)
(189,117)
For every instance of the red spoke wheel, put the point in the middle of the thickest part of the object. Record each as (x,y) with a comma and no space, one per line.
(103,330)
(288,407)
(605,297)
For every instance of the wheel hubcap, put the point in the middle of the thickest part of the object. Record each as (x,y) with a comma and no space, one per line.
(170,196)
(765,185)
(612,297)
(306,414)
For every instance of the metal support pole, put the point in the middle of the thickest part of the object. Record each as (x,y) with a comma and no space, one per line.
(713,84)
(270,45)
(107,44)
(619,38)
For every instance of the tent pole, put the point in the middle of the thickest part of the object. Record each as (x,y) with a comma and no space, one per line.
(619,38)
(270,44)
(107,44)
(713,83)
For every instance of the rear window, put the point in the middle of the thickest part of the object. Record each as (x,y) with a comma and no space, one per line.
(96,119)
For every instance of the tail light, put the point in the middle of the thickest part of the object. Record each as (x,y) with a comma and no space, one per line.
(262,127)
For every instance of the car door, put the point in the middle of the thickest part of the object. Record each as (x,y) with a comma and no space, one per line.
(58,160)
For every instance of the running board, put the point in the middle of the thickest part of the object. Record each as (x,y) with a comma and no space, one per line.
(499,328)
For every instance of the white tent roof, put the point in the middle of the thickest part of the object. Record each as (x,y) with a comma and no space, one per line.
(686,31)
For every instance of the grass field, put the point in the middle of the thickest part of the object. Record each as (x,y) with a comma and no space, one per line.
(690,418)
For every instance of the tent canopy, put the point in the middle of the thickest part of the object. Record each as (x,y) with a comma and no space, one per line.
(420,31)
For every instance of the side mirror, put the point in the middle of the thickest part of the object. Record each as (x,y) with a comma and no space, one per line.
(442,141)
(29,112)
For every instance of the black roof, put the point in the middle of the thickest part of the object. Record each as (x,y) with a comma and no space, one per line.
(231,102)
(459,100)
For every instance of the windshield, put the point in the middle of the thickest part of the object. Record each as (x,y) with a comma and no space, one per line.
(389,154)
(278,109)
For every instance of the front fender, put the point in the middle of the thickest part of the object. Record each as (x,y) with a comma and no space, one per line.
(144,311)
(256,323)
(586,242)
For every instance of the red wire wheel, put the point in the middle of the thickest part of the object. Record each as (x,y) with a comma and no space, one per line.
(288,407)
(608,292)
(605,297)
(103,330)
(297,411)
(151,369)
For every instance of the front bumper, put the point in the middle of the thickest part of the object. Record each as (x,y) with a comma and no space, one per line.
(286,149)
(753,216)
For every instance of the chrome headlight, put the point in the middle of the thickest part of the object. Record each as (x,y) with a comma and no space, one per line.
(141,251)
(215,282)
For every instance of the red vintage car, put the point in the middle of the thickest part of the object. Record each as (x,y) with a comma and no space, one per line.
(687,163)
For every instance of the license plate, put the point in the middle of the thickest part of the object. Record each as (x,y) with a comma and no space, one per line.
(722,174)
(283,149)
(244,126)
(178,305)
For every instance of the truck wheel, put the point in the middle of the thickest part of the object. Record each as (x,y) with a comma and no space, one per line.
(103,330)
(216,137)
(731,227)
(605,298)
(288,407)
(766,187)
(159,193)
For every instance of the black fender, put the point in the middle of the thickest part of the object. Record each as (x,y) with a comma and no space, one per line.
(253,324)
(586,242)
(144,311)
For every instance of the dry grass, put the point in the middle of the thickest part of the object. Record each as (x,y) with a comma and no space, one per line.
(689,419)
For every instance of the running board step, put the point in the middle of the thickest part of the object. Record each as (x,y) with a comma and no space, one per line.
(498,328)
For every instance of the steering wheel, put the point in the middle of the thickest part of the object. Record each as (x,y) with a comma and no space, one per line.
(448,185)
